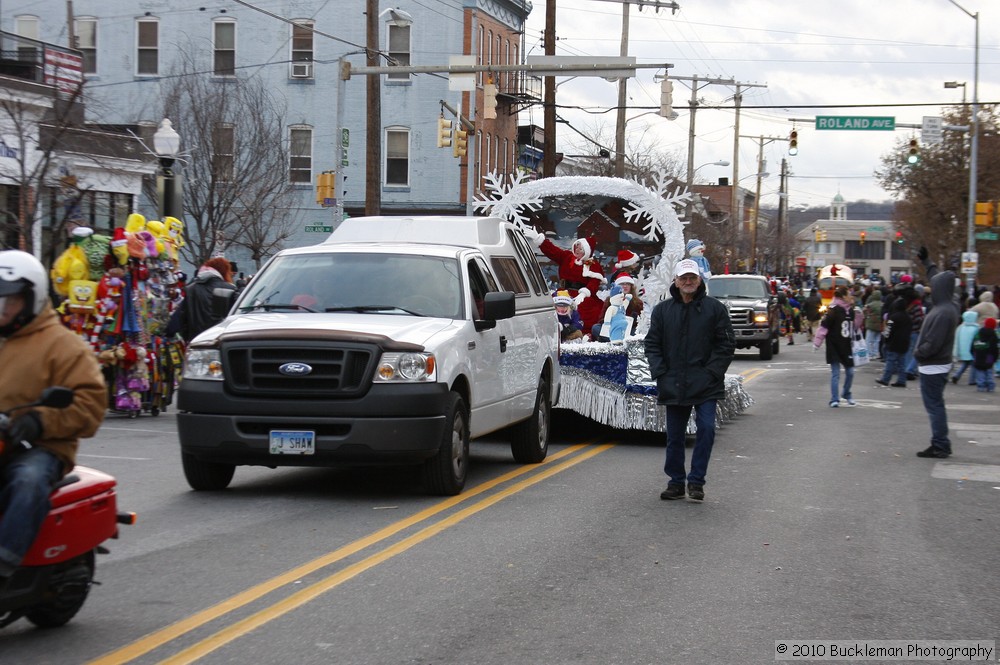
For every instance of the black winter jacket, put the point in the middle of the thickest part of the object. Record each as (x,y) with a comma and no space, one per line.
(195,313)
(689,347)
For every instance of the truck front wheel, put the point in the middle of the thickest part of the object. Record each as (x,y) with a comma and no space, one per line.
(206,476)
(766,350)
(444,474)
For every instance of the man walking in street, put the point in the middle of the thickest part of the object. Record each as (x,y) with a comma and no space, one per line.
(689,346)
(933,353)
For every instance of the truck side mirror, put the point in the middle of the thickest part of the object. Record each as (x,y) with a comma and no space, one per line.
(497,305)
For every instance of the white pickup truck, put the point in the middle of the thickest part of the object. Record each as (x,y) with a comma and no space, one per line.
(397,340)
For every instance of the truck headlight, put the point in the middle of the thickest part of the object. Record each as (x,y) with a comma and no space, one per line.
(406,367)
(760,317)
(203,364)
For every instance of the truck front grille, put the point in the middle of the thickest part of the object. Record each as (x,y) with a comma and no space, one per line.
(326,370)
(741,316)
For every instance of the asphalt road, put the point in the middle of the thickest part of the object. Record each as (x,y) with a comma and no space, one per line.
(819,523)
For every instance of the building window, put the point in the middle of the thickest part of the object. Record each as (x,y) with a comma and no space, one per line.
(485,156)
(900,251)
(224,48)
(302,50)
(300,166)
(86,41)
(871,249)
(223,149)
(27,26)
(147,47)
(482,51)
(397,157)
(398,40)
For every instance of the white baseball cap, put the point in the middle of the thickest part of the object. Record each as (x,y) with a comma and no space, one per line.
(686,267)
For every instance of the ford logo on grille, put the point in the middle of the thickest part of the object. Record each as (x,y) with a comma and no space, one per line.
(295,369)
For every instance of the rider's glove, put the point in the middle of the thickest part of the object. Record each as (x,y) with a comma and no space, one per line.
(922,254)
(26,427)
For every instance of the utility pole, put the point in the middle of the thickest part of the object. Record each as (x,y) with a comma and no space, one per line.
(622,100)
(756,208)
(373,143)
(733,209)
(549,144)
(782,216)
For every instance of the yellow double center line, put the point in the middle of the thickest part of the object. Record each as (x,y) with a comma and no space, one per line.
(159,638)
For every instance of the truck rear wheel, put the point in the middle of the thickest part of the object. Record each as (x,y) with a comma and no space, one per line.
(444,474)
(206,476)
(529,440)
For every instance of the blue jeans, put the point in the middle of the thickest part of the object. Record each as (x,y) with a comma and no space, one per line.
(25,484)
(835,382)
(984,379)
(966,364)
(909,364)
(894,365)
(872,338)
(932,393)
(677,420)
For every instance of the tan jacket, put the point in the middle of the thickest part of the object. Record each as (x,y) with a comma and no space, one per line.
(44,354)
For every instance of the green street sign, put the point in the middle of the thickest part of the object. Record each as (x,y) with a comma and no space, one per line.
(319,229)
(857,122)
(987,235)
(345,137)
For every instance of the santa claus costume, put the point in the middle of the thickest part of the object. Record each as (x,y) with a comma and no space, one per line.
(579,274)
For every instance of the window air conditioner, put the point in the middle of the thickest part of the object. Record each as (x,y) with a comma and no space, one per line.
(302,70)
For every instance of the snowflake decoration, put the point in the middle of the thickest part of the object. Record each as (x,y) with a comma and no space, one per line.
(505,201)
(658,207)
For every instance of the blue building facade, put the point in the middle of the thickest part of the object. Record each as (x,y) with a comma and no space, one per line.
(133,48)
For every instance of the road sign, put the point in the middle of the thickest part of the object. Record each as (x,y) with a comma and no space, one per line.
(345,137)
(931,131)
(319,229)
(857,122)
(970,262)
(987,235)
(461,82)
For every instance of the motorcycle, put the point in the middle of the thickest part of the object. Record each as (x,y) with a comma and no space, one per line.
(54,578)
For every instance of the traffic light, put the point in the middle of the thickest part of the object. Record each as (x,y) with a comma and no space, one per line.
(459,145)
(863,235)
(490,100)
(913,154)
(326,187)
(986,212)
(899,237)
(820,235)
(666,98)
(444,133)
(793,142)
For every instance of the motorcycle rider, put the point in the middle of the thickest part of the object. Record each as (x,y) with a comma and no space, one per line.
(37,352)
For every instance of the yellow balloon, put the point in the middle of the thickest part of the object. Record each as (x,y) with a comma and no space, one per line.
(156,227)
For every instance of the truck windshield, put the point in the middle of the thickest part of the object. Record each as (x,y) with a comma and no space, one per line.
(398,284)
(737,288)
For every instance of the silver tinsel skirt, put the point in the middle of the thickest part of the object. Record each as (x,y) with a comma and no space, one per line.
(610,383)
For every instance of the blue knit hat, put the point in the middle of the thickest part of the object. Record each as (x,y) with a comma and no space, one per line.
(694,243)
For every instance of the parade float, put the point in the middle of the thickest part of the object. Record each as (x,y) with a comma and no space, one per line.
(609,382)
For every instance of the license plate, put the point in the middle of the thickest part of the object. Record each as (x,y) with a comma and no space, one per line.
(293,442)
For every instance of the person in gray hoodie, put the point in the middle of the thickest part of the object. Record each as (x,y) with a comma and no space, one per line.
(933,354)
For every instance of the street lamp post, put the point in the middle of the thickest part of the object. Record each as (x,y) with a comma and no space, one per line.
(951,85)
(167,145)
(690,182)
(974,150)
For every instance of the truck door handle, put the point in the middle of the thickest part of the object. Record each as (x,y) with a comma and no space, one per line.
(503,343)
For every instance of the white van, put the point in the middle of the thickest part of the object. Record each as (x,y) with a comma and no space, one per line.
(397,340)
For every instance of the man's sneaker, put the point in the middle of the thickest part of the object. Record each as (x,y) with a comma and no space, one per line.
(881,382)
(898,385)
(696,493)
(850,401)
(672,493)
(931,451)
(834,405)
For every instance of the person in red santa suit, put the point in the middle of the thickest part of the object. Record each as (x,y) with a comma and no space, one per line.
(579,274)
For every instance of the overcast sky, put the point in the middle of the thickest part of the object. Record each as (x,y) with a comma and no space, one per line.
(819,52)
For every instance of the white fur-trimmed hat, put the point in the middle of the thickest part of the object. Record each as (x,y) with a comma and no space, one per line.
(626,258)
(625,278)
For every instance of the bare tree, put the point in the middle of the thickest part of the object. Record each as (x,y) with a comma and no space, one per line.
(236,186)
(933,193)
